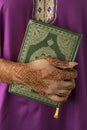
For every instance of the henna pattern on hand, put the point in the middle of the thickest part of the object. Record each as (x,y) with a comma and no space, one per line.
(34,78)
(22,73)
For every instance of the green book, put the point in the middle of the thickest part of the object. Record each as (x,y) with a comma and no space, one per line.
(45,40)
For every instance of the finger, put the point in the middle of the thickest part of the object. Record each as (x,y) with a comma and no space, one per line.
(60,63)
(57,98)
(73,83)
(62,75)
(67,85)
(61,84)
(61,93)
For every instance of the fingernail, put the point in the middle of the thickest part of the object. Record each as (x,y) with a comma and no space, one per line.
(72,64)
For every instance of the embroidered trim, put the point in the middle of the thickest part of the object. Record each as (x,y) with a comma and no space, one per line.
(45,10)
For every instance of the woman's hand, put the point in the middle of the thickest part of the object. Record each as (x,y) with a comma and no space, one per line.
(50,77)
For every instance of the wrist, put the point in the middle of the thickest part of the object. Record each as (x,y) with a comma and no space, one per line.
(6,67)
(18,71)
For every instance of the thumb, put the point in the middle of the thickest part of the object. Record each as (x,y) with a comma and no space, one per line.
(61,64)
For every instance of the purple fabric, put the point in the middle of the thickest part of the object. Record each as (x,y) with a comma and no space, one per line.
(18,113)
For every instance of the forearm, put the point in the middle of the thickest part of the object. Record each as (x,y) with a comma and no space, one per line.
(16,73)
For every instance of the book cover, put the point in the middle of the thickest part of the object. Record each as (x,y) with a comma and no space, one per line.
(45,40)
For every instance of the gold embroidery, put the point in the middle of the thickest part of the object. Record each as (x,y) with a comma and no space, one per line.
(49,10)
(40,13)
(45,10)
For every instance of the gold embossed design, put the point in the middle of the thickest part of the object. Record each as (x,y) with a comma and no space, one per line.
(45,10)
(43,53)
(37,35)
(50,42)
(65,41)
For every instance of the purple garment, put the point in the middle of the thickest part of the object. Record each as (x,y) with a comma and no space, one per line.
(18,113)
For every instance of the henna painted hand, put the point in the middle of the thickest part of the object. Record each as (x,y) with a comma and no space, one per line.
(49,77)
